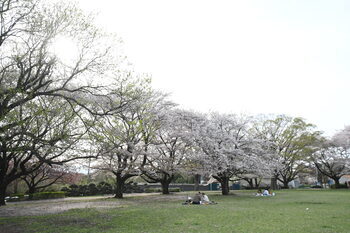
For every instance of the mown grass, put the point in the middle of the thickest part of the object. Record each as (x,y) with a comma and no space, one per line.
(289,211)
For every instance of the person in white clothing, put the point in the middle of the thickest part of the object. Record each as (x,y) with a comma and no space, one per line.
(205,199)
(266,192)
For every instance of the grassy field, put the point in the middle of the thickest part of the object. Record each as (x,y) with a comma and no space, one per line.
(289,211)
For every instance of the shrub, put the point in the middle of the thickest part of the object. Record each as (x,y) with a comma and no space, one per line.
(65,189)
(158,190)
(72,191)
(92,189)
(153,190)
(341,186)
(48,195)
(83,190)
(89,190)
(132,188)
(105,188)
(17,197)
(174,190)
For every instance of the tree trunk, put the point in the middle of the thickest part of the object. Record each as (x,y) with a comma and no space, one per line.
(285,184)
(250,182)
(15,186)
(256,183)
(2,195)
(225,189)
(273,183)
(31,191)
(165,186)
(120,182)
(336,182)
(197,179)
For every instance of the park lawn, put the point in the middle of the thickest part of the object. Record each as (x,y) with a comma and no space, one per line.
(288,211)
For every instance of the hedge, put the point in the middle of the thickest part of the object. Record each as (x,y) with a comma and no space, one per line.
(48,195)
(17,197)
(341,186)
(158,190)
(35,196)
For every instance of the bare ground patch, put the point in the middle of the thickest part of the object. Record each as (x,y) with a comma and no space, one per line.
(33,208)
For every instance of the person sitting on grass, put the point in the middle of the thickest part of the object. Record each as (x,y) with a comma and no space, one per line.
(205,199)
(197,199)
(259,193)
(266,192)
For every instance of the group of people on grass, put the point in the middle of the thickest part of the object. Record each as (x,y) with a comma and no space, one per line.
(199,199)
(266,192)
(202,199)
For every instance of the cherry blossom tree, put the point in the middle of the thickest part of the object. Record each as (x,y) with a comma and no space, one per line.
(226,145)
(168,152)
(123,138)
(333,157)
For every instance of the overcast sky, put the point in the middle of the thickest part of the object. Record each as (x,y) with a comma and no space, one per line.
(282,57)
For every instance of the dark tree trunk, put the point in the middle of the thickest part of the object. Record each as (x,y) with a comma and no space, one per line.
(225,188)
(15,186)
(197,179)
(336,181)
(273,183)
(256,182)
(2,195)
(250,182)
(31,191)
(119,189)
(165,186)
(165,183)
(285,184)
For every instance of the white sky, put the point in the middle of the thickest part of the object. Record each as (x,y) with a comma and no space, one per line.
(290,57)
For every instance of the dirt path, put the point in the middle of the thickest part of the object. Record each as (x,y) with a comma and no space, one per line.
(42,207)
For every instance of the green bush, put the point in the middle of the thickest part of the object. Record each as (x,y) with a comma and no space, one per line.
(105,188)
(132,187)
(17,197)
(88,190)
(174,190)
(341,186)
(153,190)
(48,195)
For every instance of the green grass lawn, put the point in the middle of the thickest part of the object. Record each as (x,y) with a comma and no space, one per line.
(289,211)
